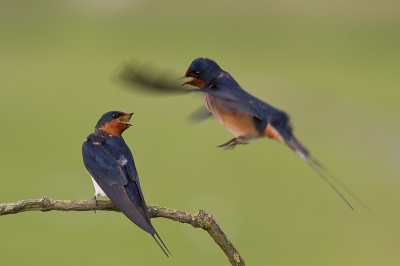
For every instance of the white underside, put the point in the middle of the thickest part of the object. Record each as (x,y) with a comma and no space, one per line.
(98,190)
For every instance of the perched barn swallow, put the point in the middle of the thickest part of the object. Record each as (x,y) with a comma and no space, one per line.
(110,163)
(246,116)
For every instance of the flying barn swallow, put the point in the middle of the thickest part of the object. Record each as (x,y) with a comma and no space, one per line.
(110,163)
(246,116)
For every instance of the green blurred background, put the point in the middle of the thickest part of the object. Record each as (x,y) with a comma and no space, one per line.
(332,65)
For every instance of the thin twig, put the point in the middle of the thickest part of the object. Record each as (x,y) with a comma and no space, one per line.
(200,220)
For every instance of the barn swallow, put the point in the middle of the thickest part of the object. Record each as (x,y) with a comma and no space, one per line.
(244,115)
(247,117)
(110,163)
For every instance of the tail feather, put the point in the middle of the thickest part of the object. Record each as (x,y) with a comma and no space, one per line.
(340,183)
(317,170)
(304,154)
(299,149)
(162,245)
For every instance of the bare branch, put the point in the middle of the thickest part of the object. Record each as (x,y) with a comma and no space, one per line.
(199,220)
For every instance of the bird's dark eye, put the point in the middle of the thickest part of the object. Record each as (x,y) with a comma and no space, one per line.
(114,116)
(197,73)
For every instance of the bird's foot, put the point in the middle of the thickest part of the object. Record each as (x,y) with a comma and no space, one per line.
(233,142)
(95,200)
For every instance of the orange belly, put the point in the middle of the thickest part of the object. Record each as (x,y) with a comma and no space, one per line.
(239,124)
(270,132)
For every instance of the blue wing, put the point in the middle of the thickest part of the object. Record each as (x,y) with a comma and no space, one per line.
(111,177)
(234,99)
(101,165)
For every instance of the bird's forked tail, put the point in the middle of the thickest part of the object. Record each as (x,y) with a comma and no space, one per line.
(304,154)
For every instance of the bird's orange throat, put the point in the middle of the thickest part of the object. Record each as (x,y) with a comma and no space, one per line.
(115,128)
(197,83)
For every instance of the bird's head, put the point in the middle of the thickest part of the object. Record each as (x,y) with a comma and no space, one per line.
(202,71)
(114,122)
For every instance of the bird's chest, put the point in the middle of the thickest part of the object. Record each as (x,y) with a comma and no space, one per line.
(238,123)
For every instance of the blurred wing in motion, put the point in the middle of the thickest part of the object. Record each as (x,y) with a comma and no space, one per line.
(199,115)
(147,78)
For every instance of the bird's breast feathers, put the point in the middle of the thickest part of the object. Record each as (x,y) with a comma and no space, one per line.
(240,124)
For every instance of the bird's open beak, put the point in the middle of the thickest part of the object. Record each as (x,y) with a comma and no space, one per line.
(187,82)
(196,82)
(125,119)
(186,77)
